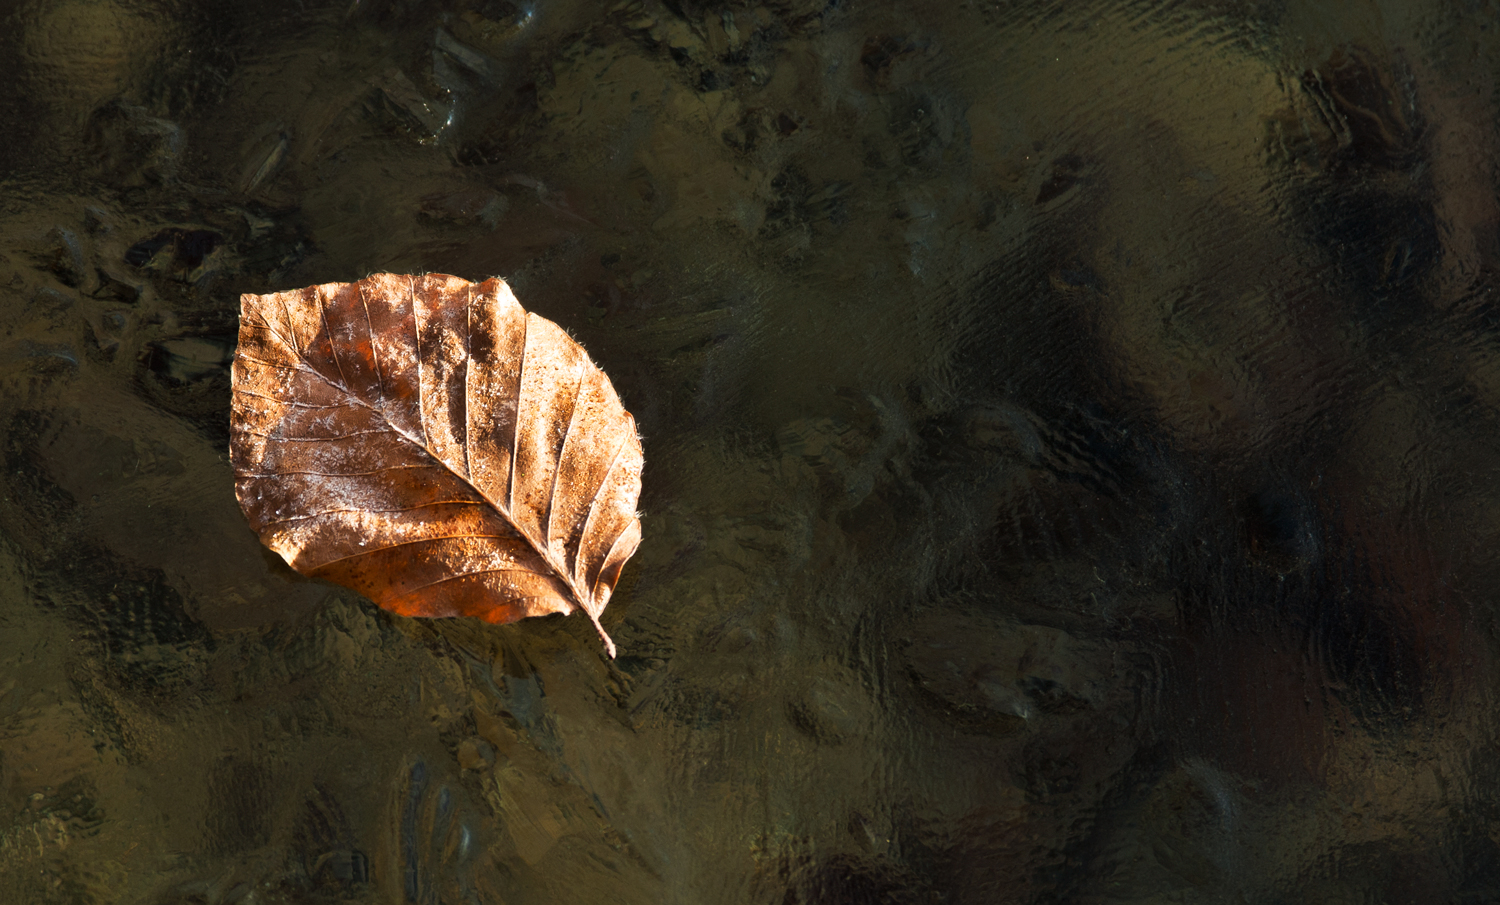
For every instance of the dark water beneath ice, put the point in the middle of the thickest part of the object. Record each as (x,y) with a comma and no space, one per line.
(1072,437)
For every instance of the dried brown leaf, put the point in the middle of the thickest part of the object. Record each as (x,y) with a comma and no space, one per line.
(427,442)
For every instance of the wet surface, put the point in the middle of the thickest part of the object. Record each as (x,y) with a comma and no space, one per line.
(1071,437)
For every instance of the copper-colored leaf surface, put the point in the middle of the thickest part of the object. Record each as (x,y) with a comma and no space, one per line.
(427,442)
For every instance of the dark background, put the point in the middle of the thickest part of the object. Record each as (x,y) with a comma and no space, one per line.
(1071,431)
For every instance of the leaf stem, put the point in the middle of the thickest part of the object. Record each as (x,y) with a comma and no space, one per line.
(609,645)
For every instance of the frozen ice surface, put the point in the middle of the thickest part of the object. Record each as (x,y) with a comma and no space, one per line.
(1072,434)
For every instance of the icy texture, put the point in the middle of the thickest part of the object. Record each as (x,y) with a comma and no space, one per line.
(1073,442)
